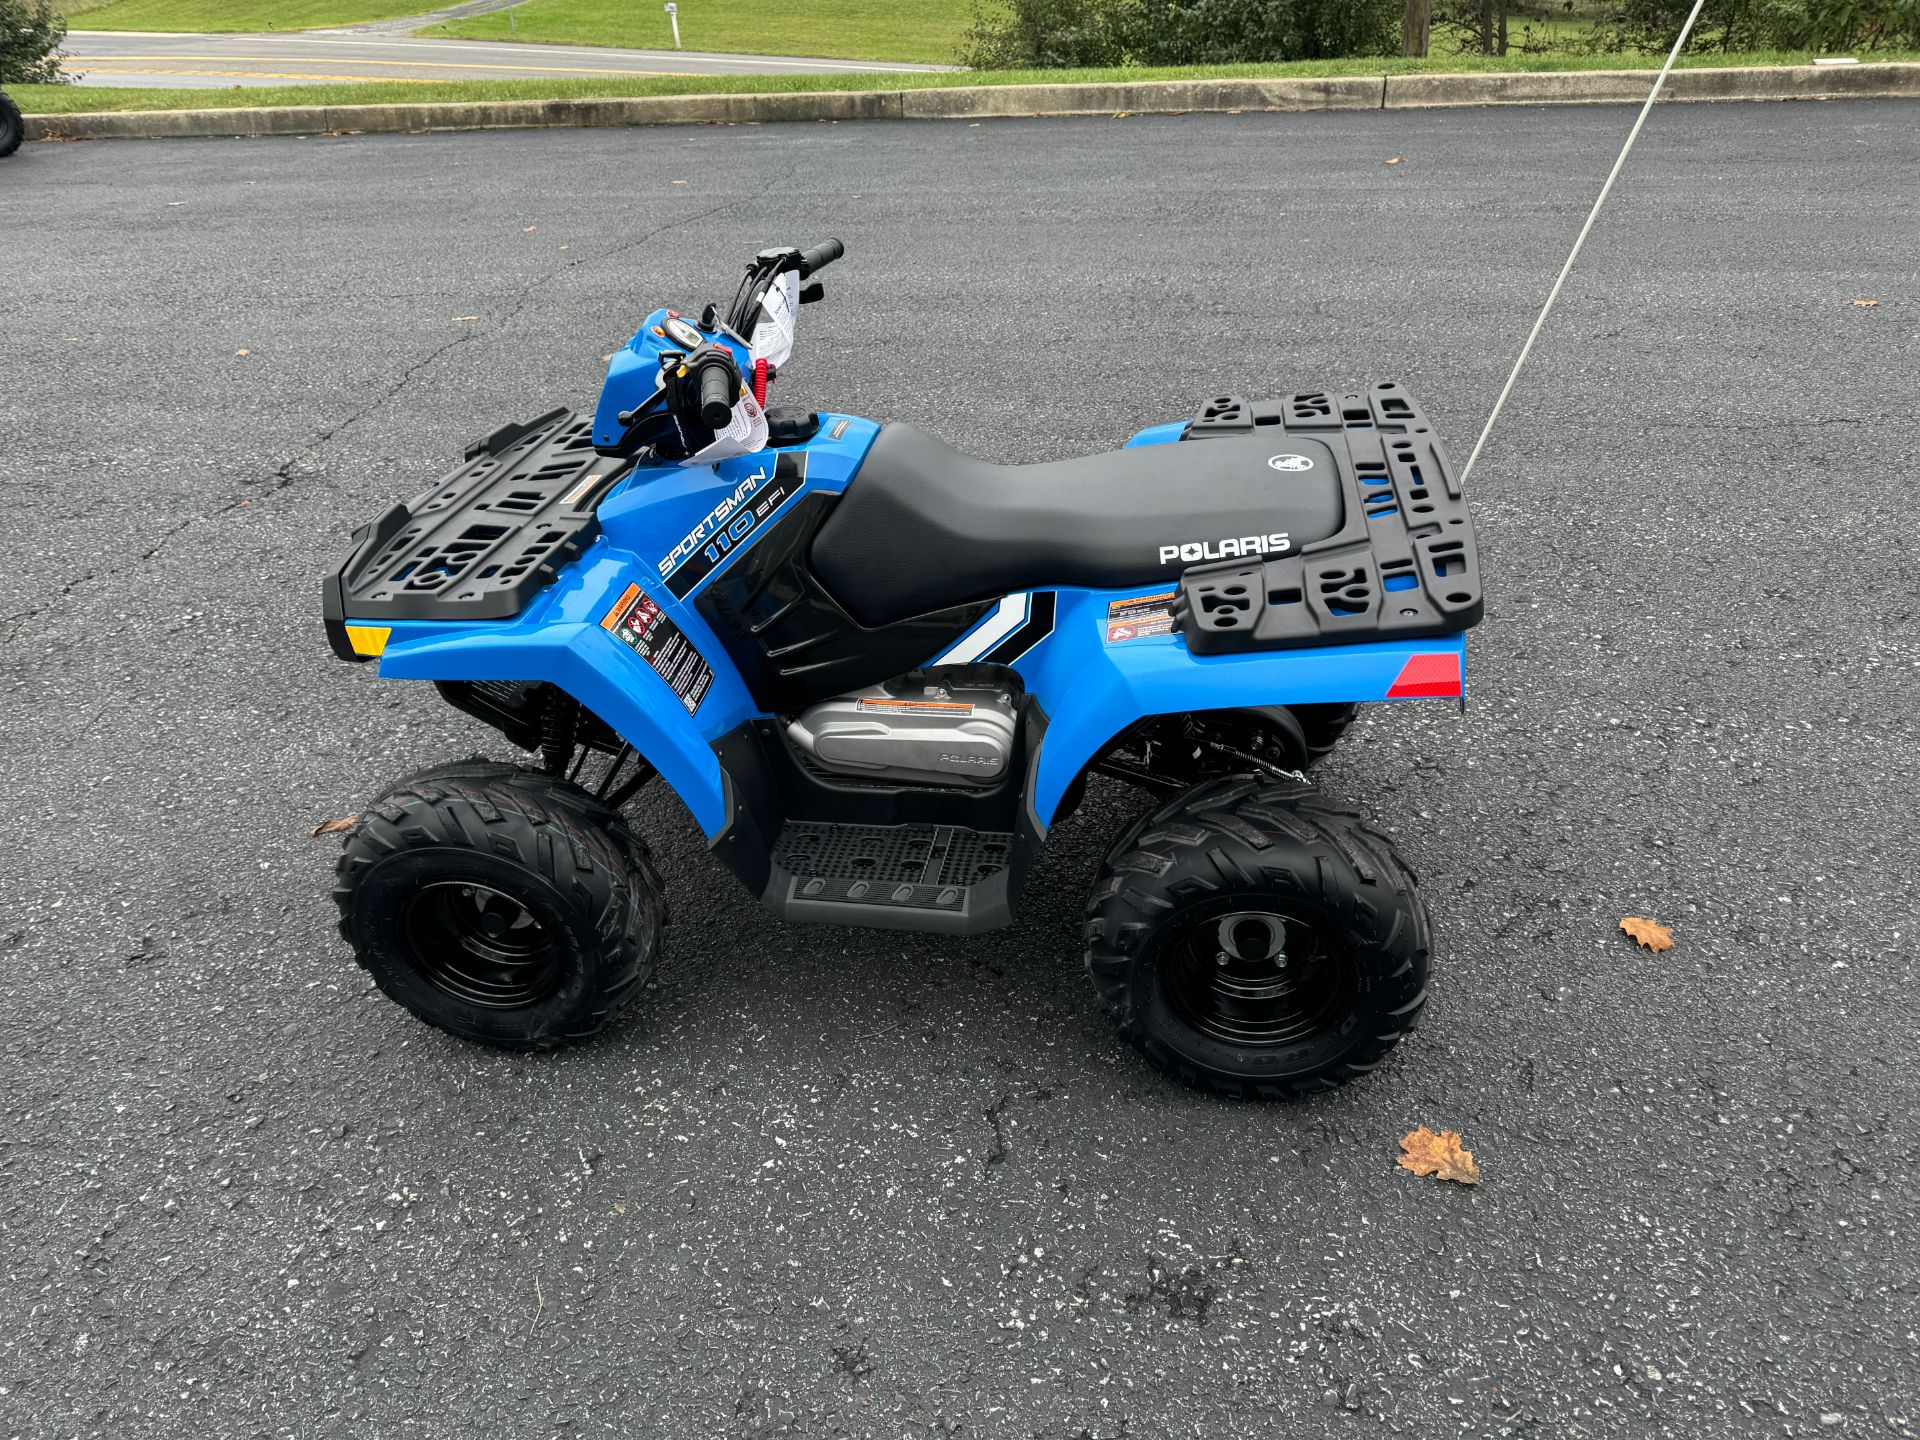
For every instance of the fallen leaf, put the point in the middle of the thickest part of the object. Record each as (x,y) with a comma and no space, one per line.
(1866,304)
(1649,933)
(606,359)
(243,352)
(676,182)
(1425,1153)
(529,229)
(462,319)
(334,827)
(1396,160)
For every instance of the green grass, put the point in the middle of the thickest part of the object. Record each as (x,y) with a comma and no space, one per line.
(253,16)
(925,31)
(917,31)
(72,99)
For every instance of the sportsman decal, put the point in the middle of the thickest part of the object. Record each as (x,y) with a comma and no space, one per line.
(726,527)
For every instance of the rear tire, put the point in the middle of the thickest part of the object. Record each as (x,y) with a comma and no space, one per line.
(1253,941)
(1323,726)
(500,904)
(13,129)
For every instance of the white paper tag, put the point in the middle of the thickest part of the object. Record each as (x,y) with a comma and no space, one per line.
(746,432)
(773,333)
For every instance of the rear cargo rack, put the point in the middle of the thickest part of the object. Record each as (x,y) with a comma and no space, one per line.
(488,536)
(1403,564)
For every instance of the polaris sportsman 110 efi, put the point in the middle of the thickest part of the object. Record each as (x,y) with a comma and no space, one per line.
(878,672)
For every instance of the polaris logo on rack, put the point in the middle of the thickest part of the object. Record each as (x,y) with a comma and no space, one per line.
(1231,548)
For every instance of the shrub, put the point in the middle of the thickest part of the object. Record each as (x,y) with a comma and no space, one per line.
(30,36)
(1045,34)
(1724,25)
(1054,34)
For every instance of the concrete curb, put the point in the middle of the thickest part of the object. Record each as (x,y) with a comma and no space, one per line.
(984,102)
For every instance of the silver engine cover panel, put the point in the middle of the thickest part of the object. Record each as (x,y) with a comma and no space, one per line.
(931,735)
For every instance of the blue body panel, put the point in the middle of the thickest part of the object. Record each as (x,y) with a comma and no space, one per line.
(1090,684)
(1092,688)
(559,638)
(633,374)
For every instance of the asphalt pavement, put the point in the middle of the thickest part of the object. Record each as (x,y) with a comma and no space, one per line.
(828,1182)
(206,62)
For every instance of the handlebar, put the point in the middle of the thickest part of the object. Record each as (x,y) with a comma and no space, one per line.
(716,396)
(820,256)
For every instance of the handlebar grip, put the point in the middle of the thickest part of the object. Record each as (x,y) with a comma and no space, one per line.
(716,396)
(820,256)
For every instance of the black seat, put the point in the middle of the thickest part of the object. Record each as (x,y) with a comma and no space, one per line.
(923,527)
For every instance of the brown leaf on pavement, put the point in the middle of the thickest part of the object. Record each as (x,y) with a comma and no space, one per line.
(1649,933)
(334,827)
(1425,1153)
(1866,304)
(1396,160)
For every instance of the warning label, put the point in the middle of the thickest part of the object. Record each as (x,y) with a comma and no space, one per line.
(947,708)
(637,623)
(1140,617)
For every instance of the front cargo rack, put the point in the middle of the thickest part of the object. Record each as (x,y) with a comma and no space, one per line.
(1403,564)
(485,538)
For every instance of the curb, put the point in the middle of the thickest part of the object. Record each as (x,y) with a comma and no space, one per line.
(987,102)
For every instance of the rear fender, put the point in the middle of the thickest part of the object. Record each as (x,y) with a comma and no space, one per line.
(1108,663)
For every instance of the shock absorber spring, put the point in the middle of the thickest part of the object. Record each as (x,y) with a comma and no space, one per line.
(559,731)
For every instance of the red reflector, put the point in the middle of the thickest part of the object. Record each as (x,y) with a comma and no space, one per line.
(1428,677)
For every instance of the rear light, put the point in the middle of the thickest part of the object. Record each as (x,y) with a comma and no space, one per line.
(1428,677)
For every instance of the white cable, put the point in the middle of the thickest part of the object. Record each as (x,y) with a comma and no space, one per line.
(1592,215)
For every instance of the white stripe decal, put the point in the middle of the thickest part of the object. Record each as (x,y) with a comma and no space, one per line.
(1008,616)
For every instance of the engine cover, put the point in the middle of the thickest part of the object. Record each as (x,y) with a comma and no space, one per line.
(924,734)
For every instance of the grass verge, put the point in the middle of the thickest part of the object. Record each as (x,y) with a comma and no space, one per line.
(925,32)
(74,99)
(218,16)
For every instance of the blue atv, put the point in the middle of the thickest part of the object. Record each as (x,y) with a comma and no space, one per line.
(877,672)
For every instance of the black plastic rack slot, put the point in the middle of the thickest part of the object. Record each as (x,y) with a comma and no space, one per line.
(1403,564)
(485,538)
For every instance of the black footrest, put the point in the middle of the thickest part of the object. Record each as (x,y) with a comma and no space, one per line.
(1402,566)
(909,877)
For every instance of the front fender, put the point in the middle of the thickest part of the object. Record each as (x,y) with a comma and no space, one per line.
(579,659)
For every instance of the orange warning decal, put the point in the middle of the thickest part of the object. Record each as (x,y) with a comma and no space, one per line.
(619,611)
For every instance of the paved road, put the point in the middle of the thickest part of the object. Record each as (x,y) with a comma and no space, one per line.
(839,1183)
(126,57)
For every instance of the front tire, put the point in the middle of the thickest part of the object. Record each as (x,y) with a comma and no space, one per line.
(13,129)
(1252,941)
(500,904)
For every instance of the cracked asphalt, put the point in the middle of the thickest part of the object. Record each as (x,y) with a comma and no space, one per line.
(827,1182)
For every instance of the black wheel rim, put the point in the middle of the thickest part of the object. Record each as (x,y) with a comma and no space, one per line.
(480,945)
(1256,978)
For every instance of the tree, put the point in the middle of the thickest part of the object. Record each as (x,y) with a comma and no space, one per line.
(30,36)
(1416,26)
(1477,27)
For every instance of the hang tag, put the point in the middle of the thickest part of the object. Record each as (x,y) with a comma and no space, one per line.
(746,432)
(773,332)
